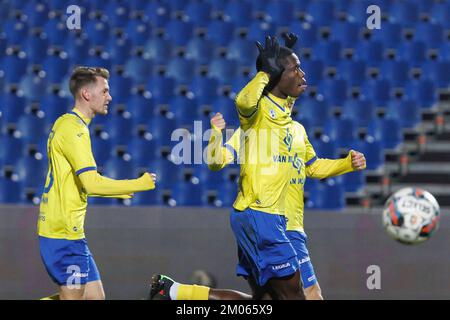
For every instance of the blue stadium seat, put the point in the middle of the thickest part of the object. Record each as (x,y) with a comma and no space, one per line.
(199,12)
(99,59)
(406,110)
(166,173)
(390,35)
(177,5)
(101,148)
(205,89)
(335,90)
(139,32)
(54,106)
(221,32)
(56,67)
(244,51)
(158,13)
(423,92)
(431,34)
(12,150)
(36,47)
(370,51)
(387,131)
(314,70)
(33,87)
(159,50)
(200,50)
(98,32)
(239,12)
(223,70)
(414,52)
(32,172)
(120,50)
(13,106)
(161,128)
(14,66)
(182,70)
(325,147)
(440,13)
(347,33)
(139,69)
(354,71)
(379,91)
(362,111)
(56,31)
(10,191)
(357,11)
(138,5)
(258,30)
(33,127)
(404,12)
(373,152)
(308,32)
(354,181)
(237,84)
(317,110)
(343,131)
(396,71)
(185,110)
(281,12)
(143,150)
(120,127)
(179,31)
(439,72)
(227,107)
(161,87)
(329,195)
(120,88)
(77,50)
(141,107)
(328,51)
(118,168)
(226,194)
(188,194)
(118,14)
(16,31)
(322,12)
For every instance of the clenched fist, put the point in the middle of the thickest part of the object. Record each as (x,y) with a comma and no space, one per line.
(218,121)
(358,160)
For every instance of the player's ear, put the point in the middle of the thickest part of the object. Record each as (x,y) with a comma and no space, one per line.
(85,94)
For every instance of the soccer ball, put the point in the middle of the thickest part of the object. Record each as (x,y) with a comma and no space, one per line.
(411,215)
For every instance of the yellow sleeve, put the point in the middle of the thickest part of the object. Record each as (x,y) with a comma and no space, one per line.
(219,156)
(120,196)
(96,184)
(248,98)
(325,168)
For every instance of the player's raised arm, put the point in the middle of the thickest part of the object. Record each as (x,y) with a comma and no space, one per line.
(219,156)
(247,99)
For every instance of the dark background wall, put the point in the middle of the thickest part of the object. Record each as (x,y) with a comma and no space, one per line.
(130,244)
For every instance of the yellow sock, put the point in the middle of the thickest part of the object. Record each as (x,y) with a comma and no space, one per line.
(52,297)
(192,292)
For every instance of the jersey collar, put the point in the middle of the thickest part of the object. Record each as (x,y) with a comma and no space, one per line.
(282,104)
(77,112)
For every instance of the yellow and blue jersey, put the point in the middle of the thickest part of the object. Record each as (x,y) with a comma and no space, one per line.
(265,121)
(63,204)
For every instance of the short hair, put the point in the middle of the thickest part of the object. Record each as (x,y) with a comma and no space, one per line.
(82,76)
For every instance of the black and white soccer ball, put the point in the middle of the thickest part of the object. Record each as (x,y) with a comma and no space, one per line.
(411,215)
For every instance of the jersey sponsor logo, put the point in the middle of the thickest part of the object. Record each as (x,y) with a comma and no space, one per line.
(288,139)
(297,181)
(297,163)
(304,260)
(281,266)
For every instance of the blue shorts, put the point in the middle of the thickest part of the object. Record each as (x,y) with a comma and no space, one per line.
(264,251)
(298,241)
(68,262)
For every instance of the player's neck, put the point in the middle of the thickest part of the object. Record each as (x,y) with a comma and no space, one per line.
(277,93)
(85,111)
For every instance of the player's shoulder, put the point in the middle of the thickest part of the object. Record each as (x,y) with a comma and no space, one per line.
(297,126)
(69,124)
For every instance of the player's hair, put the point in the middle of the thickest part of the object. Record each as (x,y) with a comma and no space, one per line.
(284,53)
(82,76)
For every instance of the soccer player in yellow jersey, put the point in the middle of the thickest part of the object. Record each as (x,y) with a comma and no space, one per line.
(72,177)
